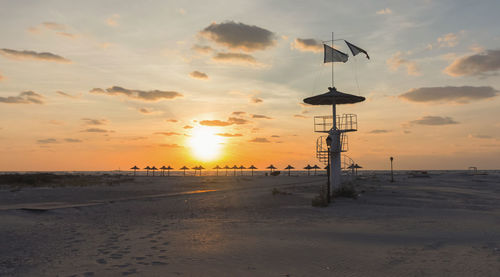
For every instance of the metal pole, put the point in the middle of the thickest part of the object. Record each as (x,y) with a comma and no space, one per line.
(392,173)
(328,182)
(332,64)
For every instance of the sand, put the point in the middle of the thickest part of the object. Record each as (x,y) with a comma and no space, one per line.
(445,225)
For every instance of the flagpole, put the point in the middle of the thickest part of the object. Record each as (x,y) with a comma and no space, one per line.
(332,64)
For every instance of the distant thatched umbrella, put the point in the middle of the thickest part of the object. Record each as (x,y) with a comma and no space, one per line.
(289,167)
(168,170)
(352,168)
(154,169)
(271,167)
(241,169)
(200,168)
(147,170)
(234,169)
(315,167)
(135,168)
(163,170)
(308,167)
(252,168)
(226,168)
(357,166)
(195,169)
(184,168)
(217,167)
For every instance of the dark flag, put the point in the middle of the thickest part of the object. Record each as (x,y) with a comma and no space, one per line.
(356,50)
(334,55)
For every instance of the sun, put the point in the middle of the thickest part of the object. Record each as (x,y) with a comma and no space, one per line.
(205,144)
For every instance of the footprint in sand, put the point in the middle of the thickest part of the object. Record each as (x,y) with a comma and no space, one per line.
(101,261)
(129,272)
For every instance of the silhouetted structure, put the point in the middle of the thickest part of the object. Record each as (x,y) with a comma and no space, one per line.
(241,169)
(289,167)
(184,168)
(392,173)
(200,168)
(154,169)
(168,170)
(252,167)
(315,167)
(147,170)
(217,167)
(356,166)
(135,169)
(163,170)
(226,168)
(234,169)
(271,167)
(308,168)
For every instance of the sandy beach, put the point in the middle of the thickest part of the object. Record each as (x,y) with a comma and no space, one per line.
(445,225)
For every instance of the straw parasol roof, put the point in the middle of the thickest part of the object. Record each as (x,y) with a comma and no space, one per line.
(184,168)
(252,167)
(289,167)
(135,167)
(271,167)
(333,96)
(217,167)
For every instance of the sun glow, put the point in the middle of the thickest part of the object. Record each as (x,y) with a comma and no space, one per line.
(205,144)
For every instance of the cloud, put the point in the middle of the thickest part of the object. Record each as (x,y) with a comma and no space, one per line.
(476,64)
(92,121)
(238,121)
(449,94)
(1,77)
(307,44)
(62,93)
(434,121)
(25,97)
(203,49)
(238,113)
(171,120)
(261,116)
(448,40)
(47,141)
(275,136)
(145,111)
(378,131)
(198,75)
(96,130)
(188,127)
(54,26)
(384,11)
(67,35)
(397,61)
(32,55)
(235,58)
(256,100)
(219,123)
(151,95)
(478,136)
(167,133)
(113,20)
(72,140)
(228,135)
(299,116)
(261,140)
(173,145)
(239,36)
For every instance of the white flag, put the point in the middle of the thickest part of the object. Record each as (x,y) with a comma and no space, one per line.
(334,55)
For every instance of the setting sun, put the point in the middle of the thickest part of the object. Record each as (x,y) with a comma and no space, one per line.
(205,144)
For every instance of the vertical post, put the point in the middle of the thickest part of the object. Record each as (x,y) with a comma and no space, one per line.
(332,64)
(392,173)
(328,174)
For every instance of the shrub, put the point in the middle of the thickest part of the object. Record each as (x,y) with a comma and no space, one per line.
(345,190)
(320,200)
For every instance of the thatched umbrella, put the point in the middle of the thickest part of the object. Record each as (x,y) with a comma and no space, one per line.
(154,169)
(271,167)
(308,167)
(352,168)
(168,170)
(200,168)
(147,170)
(241,169)
(195,169)
(289,167)
(135,168)
(184,168)
(234,169)
(217,167)
(357,166)
(252,168)
(315,167)
(163,170)
(226,168)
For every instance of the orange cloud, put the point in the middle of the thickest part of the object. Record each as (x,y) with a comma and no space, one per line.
(235,58)
(307,44)
(198,75)
(476,64)
(32,55)
(26,97)
(151,95)
(397,61)
(229,135)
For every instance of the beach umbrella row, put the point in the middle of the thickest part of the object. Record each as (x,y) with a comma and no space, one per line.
(235,167)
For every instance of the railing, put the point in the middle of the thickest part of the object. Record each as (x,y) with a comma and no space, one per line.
(322,147)
(345,123)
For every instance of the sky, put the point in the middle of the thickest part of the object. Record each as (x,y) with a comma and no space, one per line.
(106,85)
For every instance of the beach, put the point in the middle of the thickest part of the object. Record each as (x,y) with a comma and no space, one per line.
(446,224)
